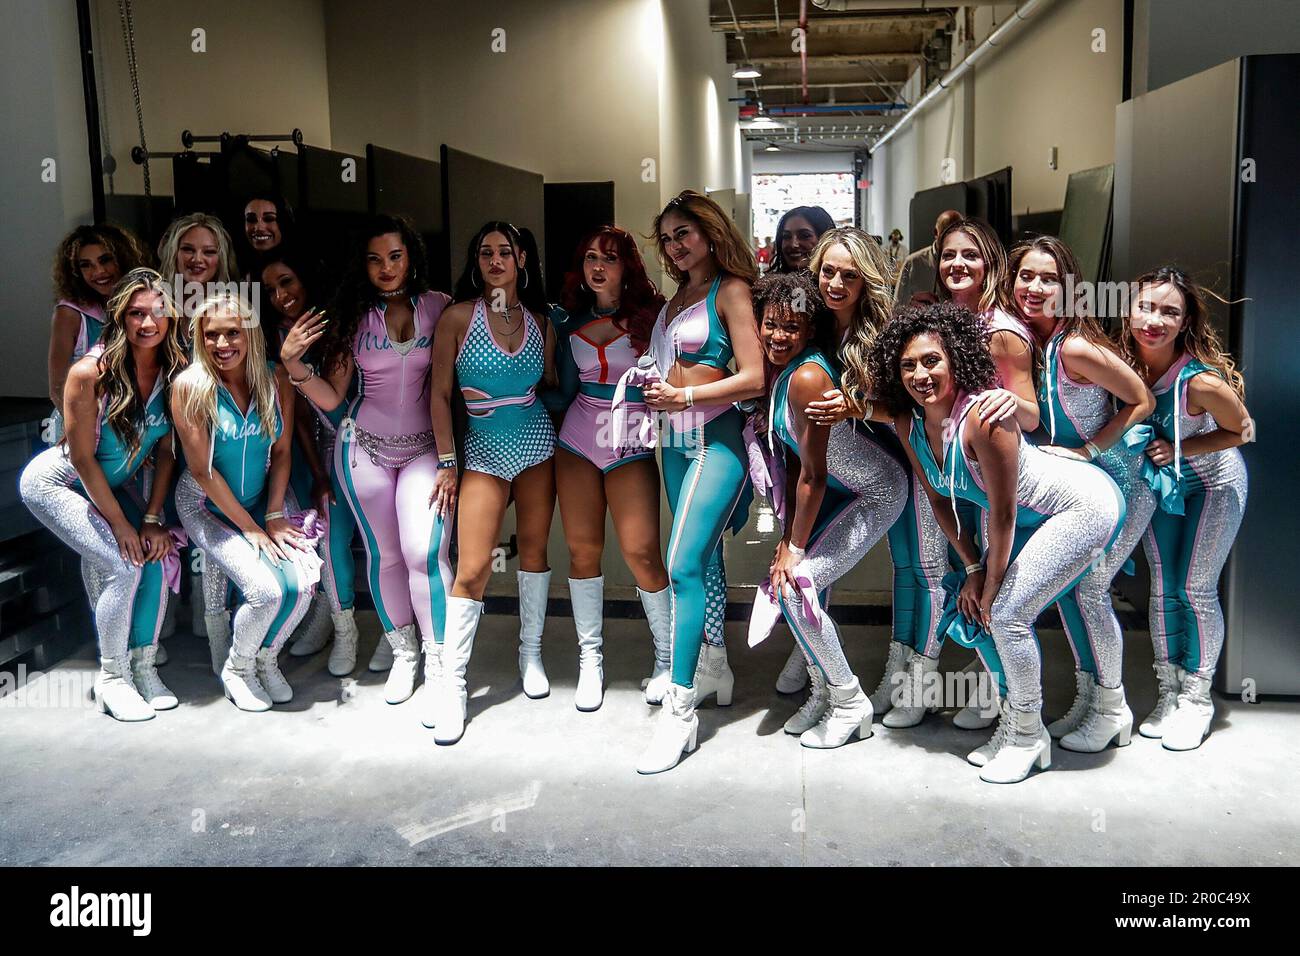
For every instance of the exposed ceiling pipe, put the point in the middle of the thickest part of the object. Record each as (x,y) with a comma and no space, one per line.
(841,6)
(981,52)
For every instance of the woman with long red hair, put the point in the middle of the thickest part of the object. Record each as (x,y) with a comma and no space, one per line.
(607,308)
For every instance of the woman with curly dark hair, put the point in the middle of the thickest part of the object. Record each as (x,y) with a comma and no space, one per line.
(606,310)
(380,326)
(1048,518)
(88,264)
(836,492)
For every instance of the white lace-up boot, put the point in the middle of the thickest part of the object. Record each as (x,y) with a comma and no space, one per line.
(217,627)
(911,707)
(658,613)
(1025,745)
(794,675)
(984,706)
(406,664)
(981,755)
(457,643)
(240,682)
(1108,718)
(587,596)
(1084,690)
(343,655)
(848,715)
(432,688)
(382,658)
(534,587)
(115,694)
(676,731)
(1190,723)
(313,631)
(144,674)
(807,716)
(1169,679)
(713,675)
(268,672)
(894,678)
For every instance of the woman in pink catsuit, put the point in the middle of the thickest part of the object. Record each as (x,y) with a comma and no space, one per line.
(381,326)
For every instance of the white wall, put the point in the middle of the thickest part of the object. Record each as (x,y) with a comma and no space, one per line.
(44,118)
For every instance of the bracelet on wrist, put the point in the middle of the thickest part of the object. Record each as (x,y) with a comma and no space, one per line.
(797,552)
(690,395)
(1093,451)
(444,462)
(299,382)
(272,515)
(153,519)
(972,568)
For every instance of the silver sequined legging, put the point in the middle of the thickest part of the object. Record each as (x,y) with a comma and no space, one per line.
(267,602)
(847,529)
(47,489)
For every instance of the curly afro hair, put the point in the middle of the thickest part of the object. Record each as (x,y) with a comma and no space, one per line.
(796,293)
(965,338)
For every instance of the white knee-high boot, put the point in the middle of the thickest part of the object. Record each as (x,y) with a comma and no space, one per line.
(533,589)
(588,598)
(457,643)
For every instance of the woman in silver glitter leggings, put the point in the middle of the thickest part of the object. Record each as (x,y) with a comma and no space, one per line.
(845,491)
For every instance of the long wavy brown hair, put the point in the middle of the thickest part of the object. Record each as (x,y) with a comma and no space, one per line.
(1197,336)
(115,368)
(730,249)
(639,301)
(1067,267)
(128,250)
(990,247)
(872,312)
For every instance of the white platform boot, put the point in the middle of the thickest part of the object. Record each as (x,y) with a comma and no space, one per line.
(534,587)
(457,643)
(1025,745)
(1108,718)
(240,682)
(432,688)
(794,675)
(713,675)
(115,694)
(807,716)
(144,674)
(1190,723)
(1169,678)
(406,664)
(1084,690)
(343,655)
(658,607)
(982,754)
(588,598)
(911,708)
(676,731)
(217,628)
(848,716)
(894,678)
(382,658)
(313,631)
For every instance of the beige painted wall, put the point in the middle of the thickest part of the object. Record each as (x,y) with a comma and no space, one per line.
(267,79)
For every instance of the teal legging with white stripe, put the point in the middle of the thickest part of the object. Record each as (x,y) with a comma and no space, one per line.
(705,474)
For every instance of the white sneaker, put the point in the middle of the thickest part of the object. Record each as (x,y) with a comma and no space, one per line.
(268,672)
(406,664)
(882,698)
(1169,678)
(794,675)
(116,695)
(1025,745)
(1084,687)
(588,598)
(243,689)
(343,655)
(658,614)
(1108,718)
(313,631)
(713,675)
(848,716)
(910,708)
(1190,723)
(808,716)
(533,591)
(676,731)
(144,674)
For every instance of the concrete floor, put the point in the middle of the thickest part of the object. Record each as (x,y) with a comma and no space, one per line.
(340,777)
